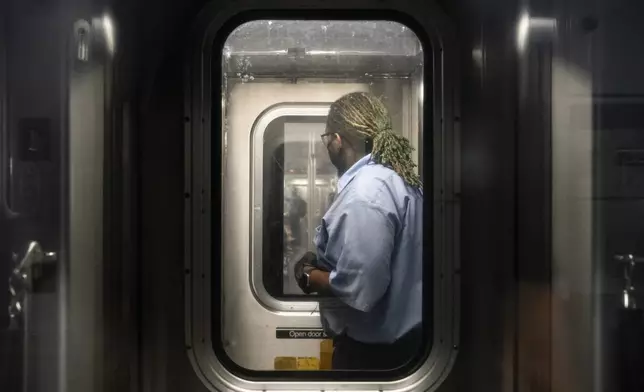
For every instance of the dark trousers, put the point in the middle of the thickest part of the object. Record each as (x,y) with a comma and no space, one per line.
(350,354)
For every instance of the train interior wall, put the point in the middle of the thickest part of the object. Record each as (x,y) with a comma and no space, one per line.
(525,312)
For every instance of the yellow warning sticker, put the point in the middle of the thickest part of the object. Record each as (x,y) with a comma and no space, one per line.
(296,363)
(326,354)
(308,363)
(285,363)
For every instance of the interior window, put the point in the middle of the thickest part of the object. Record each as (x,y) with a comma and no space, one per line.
(299,185)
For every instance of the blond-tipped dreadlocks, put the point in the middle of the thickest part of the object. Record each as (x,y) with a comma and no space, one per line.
(364,116)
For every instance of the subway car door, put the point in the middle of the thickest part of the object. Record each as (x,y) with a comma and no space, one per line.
(33,198)
(51,187)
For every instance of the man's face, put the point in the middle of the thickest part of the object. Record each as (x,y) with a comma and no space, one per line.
(333,143)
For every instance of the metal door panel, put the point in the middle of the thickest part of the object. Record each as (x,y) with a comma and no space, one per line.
(32,187)
(52,188)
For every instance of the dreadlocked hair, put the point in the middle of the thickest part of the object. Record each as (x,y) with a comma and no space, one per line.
(364,116)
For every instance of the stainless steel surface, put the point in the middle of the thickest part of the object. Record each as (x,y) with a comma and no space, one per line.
(88,112)
(572,215)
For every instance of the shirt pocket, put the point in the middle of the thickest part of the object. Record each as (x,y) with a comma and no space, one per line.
(321,237)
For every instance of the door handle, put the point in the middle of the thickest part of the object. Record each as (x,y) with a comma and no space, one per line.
(628,293)
(21,280)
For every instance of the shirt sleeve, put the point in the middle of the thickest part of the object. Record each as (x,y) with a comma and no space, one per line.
(362,246)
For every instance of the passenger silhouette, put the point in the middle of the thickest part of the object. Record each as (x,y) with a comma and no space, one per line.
(296,212)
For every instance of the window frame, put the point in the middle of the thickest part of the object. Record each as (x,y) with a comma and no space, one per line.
(441,204)
(295,303)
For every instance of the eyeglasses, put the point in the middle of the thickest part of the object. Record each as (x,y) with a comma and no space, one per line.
(326,137)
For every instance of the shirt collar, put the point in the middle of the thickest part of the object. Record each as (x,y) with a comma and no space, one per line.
(353,170)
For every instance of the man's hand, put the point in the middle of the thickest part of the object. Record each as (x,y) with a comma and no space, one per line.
(304,266)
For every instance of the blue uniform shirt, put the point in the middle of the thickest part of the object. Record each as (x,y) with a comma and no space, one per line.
(371,241)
